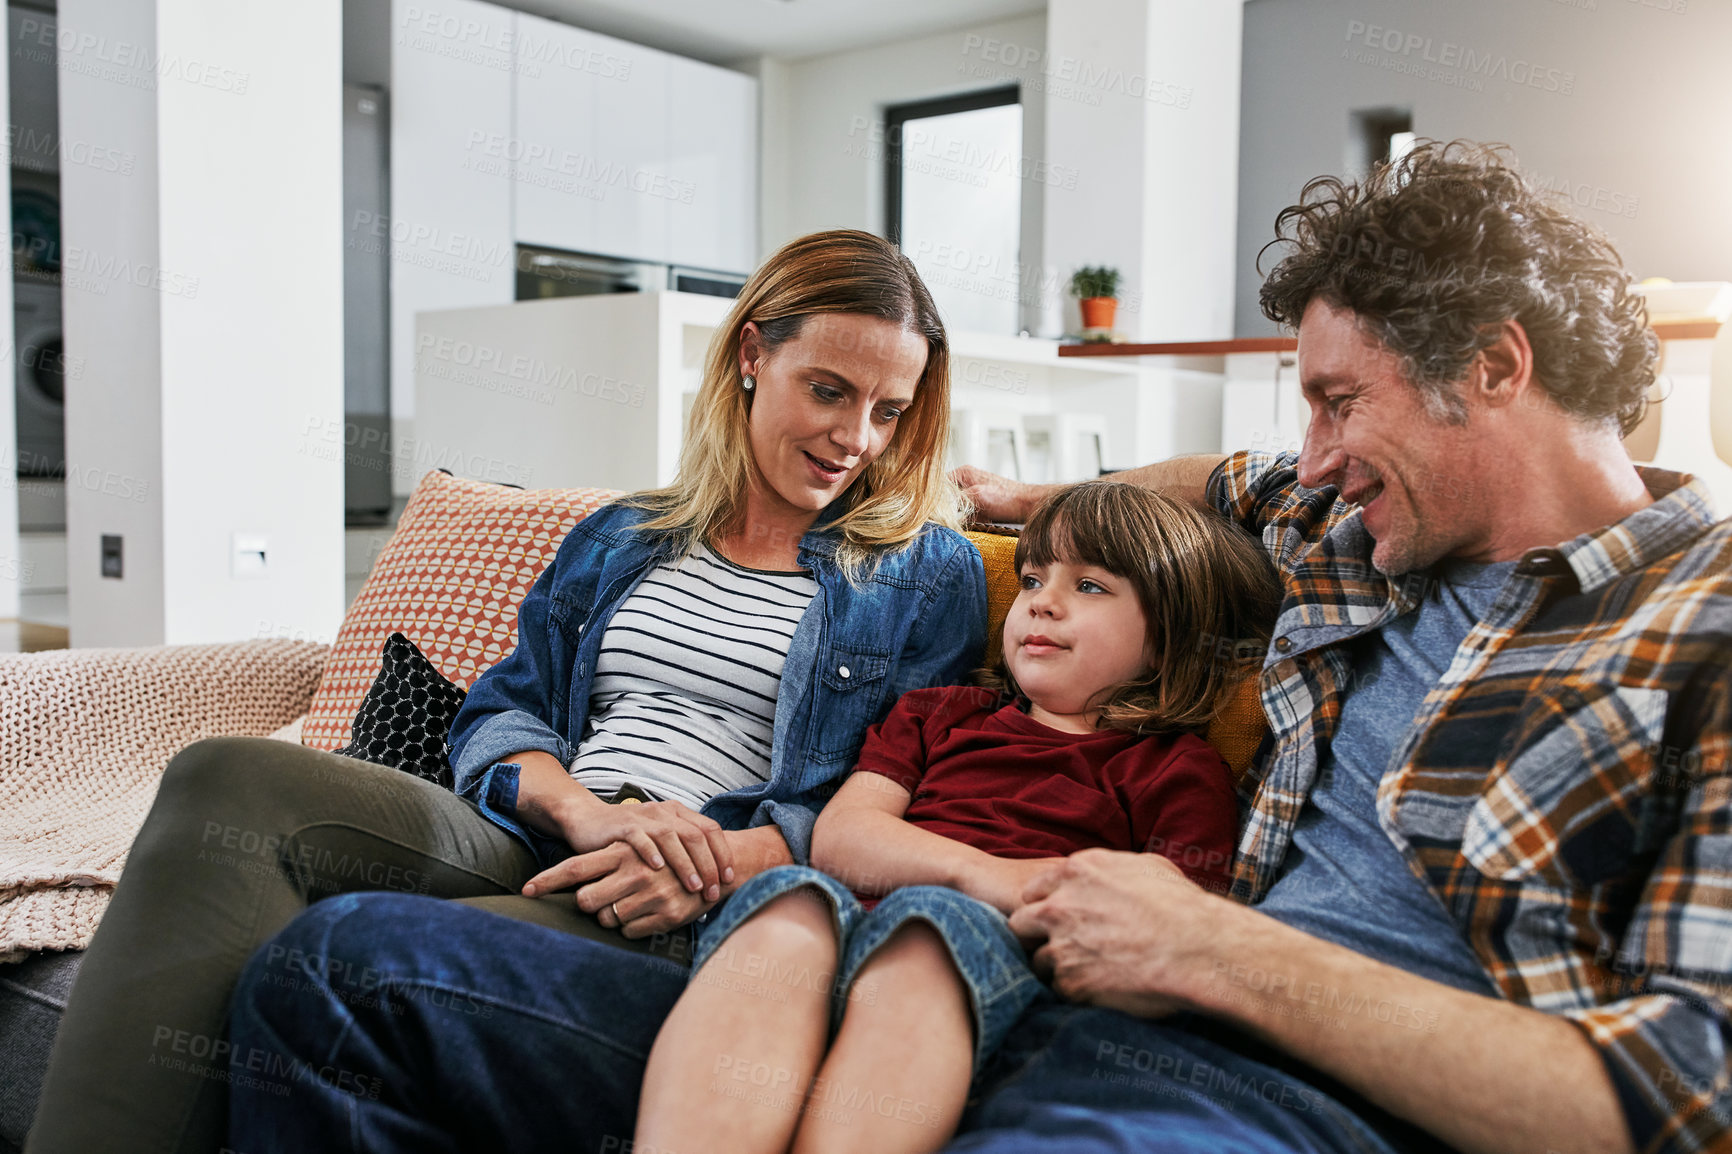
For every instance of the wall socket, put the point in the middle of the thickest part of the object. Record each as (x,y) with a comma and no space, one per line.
(111,555)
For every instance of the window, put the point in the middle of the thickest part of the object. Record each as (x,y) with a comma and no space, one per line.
(953,202)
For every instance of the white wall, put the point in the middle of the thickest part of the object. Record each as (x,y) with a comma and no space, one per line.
(204,291)
(1638,142)
(823,133)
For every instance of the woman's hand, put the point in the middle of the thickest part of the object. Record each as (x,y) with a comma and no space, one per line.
(662,833)
(621,890)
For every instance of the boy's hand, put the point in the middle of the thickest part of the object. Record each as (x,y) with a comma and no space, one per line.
(1128,931)
(621,890)
(662,833)
(999,881)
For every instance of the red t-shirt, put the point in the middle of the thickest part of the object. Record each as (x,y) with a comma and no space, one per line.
(1002,782)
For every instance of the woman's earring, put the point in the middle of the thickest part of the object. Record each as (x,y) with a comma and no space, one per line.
(748,382)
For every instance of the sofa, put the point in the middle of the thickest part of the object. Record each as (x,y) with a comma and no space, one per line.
(85,733)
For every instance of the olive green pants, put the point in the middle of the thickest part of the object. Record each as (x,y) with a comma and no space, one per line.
(244,834)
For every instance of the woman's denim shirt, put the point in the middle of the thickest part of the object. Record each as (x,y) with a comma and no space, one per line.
(918,619)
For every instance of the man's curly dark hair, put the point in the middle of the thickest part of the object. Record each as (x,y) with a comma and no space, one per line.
(1434,252)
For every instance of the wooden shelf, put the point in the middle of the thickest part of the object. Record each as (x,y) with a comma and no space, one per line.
(1667,331)
(1688,330)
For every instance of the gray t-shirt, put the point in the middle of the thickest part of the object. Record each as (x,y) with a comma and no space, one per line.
(1342,879)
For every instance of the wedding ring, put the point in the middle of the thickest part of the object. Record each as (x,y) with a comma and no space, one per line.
(616,916)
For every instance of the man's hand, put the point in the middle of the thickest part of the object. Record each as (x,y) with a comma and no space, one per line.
(1128,931)
(622,891)
(662,833)
(997,498)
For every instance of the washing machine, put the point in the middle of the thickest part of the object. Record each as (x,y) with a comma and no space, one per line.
(39,363)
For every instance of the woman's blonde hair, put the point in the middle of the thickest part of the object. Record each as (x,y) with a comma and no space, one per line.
(840,271)
(1208,591)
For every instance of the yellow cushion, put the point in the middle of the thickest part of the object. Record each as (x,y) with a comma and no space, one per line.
(999,554)
(1236,731)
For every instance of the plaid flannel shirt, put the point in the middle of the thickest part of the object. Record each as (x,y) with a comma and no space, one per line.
(1565,789)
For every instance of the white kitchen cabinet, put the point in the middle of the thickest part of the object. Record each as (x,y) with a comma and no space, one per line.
(560,174)
(592,129)
(632,133)
(712,159)
(631,152)
(449,227)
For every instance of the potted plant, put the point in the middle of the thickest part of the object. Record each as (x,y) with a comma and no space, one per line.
(1096,288)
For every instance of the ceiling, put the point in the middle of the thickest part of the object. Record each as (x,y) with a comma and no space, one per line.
(723,31)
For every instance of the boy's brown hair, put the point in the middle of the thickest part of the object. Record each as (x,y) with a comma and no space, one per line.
(1207,589)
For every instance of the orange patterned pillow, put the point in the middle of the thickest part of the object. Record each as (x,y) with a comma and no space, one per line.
(463,555)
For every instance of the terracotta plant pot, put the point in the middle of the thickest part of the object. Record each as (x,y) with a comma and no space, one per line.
(1097,312)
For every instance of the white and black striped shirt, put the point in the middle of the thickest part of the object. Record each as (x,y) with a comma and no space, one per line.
(683,704)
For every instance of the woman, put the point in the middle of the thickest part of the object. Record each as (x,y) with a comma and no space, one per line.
(812,479)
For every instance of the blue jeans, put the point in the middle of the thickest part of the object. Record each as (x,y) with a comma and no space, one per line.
(1076,1078)
(395,1022)
(988,958)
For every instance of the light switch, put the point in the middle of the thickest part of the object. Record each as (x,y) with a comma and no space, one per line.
(250,553)
(111,555)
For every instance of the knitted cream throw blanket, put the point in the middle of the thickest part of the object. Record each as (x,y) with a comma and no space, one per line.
(84,737)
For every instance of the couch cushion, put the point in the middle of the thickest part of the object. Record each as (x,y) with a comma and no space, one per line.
(1240,727)
(998,553)
(32,997)
(406,718)
(463,555)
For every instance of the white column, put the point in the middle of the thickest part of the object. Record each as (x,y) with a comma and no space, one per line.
(1190,169)
(1094,128)
(203,289)
(1143,105)
(776,153)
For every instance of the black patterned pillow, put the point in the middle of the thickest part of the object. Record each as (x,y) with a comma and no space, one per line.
(406,716)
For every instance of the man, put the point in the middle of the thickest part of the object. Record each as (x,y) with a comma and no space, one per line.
(1484,885)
